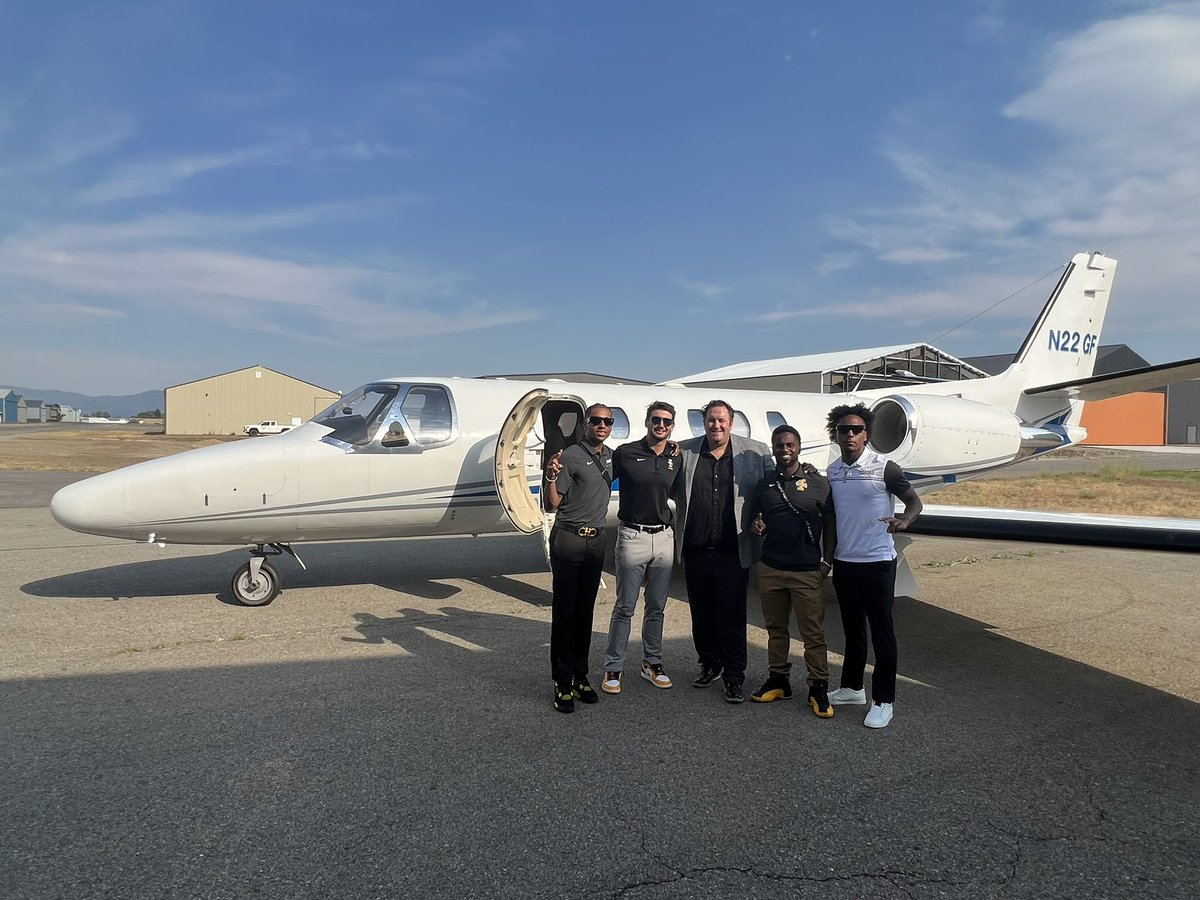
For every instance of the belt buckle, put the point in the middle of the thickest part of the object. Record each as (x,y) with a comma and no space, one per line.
(587,531)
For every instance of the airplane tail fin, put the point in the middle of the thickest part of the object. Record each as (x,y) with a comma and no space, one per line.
(1061,347)
(1063,342)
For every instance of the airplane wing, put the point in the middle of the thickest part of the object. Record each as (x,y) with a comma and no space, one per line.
(1147,532)
(1101,387)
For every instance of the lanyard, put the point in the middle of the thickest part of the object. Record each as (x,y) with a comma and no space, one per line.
(790,505)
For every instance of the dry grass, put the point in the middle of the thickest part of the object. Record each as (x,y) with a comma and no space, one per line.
(93,450)
(1119,490)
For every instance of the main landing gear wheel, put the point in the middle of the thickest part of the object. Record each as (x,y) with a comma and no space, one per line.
(251,591)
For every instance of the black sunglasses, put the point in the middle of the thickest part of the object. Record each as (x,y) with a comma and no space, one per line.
(661,420)
(851,429)
(600,420)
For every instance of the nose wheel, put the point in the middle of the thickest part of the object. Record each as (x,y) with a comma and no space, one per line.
(257,583)
(259,588)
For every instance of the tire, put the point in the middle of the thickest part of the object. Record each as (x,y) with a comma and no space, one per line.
(247,593)
(253,432)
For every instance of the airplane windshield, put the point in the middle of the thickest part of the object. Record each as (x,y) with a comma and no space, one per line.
(356,417)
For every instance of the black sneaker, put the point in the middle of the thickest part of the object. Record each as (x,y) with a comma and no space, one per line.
(776,687)
(582,691)
(708,674)
(734,694)
(564,701)
(818,699)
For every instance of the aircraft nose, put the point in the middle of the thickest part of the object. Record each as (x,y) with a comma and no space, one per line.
(92,506)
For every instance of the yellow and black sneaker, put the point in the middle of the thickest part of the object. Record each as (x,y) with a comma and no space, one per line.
(776,687)
(564,700)
(818,699)
(583,692)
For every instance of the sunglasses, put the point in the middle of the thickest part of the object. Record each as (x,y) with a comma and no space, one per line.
(661,420)
(600,420)
(851,429)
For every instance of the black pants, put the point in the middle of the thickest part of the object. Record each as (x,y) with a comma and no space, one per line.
(577,563)
(866,593)
(716,586)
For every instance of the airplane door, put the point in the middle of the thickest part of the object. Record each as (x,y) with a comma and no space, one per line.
(517,466)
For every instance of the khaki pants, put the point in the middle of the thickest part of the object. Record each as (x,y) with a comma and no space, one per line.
(782,593)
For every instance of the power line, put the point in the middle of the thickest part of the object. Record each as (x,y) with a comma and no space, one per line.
(1053,271)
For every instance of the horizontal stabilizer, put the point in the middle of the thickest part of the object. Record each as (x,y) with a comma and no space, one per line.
(1101,387)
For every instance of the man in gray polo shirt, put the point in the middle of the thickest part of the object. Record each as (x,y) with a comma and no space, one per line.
(578,487)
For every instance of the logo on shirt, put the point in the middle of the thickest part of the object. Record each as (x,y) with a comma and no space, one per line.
(670,465)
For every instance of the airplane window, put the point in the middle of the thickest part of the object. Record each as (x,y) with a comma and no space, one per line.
(775,419)
(620,428)
(741,426)
(427,411)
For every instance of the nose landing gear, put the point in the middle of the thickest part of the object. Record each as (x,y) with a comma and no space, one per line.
(257,583)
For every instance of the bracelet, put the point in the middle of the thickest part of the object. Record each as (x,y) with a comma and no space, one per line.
(552,480)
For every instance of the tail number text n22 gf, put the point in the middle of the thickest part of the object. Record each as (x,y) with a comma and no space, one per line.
(1073,341)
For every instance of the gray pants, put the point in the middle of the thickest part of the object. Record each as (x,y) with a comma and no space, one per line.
(643,560)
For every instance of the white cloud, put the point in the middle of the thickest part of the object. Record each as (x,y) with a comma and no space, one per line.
(483,58)
(706,289)
(161,176)
(837,262)
(62,313)
(906,255)
(161,260)
(68,145)
(364,151)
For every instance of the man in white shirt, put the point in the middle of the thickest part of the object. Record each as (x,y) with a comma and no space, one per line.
(864,558)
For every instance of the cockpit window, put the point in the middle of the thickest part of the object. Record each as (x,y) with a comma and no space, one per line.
(383,418)
(356,417)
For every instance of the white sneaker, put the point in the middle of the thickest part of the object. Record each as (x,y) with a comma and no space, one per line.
(879,716)
(848,697)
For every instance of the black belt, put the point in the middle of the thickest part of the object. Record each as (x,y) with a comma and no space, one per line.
(648,529)
(581,530)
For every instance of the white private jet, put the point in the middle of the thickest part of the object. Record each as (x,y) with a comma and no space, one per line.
(418,457)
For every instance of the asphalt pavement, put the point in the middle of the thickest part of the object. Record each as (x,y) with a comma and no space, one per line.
(385,729)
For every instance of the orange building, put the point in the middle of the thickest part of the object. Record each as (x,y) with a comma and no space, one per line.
(1132,420)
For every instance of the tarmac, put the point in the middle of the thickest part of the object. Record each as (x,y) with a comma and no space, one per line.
(385,729)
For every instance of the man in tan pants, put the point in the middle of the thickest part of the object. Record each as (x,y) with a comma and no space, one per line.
(793,511)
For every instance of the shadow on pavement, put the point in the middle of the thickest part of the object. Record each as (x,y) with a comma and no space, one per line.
(442,771)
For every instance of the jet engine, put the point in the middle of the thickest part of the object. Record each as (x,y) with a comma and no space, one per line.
(931,435)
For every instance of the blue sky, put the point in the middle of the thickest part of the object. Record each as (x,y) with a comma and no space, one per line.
(345,191)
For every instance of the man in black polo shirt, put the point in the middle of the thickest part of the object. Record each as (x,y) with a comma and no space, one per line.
(793,510)
(714,540)
(645,471)
(579,487)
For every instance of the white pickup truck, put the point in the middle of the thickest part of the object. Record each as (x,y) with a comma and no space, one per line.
(270,427)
